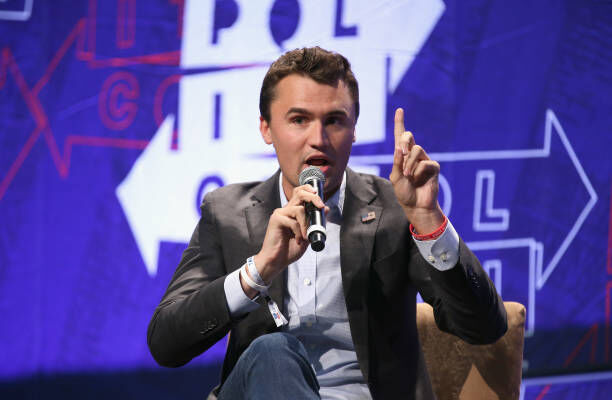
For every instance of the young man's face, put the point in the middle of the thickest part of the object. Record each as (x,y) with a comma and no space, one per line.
(310,124)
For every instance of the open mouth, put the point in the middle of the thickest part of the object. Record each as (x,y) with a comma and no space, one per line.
(317,162)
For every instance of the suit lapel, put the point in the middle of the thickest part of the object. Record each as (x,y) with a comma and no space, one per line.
(356,245)
(265,200)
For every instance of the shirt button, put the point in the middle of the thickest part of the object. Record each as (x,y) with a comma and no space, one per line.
(307,282)
(431,259)
(444,256)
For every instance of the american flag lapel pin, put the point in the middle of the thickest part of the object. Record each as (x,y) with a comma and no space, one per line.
(370,216)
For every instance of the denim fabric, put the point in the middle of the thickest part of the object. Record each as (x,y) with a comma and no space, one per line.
(274,366)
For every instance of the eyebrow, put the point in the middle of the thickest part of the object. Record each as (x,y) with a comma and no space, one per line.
(297,110)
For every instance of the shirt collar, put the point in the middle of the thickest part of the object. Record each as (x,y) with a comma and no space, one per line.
(336,200)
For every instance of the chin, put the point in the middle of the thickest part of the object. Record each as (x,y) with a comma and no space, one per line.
(332,184)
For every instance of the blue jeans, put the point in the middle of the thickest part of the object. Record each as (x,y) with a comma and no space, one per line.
(274,366)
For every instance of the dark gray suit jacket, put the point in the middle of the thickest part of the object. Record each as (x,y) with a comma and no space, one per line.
(382,270)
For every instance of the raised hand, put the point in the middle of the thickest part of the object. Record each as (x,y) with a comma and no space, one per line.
(414,177)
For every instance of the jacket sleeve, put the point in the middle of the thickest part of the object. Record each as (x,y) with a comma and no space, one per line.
(464,299)
(193,313)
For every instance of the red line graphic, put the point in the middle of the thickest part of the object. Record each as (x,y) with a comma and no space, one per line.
(116,104)
(37,113)
(158,100)
(93,8)
(30,99)
(607,338)
(543,392)
(609,263)
(61,52)
(172,58)
(591,333)
(180,4)
(83,37)
(62,162)
(93,141)
(126,23)
(4,184)
(3,66)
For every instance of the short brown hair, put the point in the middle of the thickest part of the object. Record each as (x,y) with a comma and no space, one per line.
(320,65)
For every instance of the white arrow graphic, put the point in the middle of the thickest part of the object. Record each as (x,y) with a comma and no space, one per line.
(147,215)
(160,193)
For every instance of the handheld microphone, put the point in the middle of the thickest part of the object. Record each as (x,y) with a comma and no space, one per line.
(316,218)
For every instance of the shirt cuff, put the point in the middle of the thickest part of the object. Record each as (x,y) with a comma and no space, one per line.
(441,253)
(238,302)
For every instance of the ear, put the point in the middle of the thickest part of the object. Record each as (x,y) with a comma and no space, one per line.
(264,129)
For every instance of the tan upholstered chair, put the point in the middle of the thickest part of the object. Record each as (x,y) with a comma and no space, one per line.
(459,370)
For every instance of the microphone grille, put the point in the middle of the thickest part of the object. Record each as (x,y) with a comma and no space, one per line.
(310,173)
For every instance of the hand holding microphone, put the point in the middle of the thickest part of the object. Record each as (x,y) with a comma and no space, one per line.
(301,222)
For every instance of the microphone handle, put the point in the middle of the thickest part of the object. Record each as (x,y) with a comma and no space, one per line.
(316,220)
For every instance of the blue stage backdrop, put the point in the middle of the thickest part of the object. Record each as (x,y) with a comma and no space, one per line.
(116,117)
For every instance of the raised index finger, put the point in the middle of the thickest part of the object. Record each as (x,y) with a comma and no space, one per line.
(399,129)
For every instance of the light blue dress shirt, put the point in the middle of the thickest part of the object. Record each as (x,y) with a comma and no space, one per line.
(315,305)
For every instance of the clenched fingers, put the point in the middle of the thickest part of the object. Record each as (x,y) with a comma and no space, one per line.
(306,194)
(412,158)
(292,218)
(424,171)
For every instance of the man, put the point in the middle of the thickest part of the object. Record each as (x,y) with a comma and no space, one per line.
(350,309)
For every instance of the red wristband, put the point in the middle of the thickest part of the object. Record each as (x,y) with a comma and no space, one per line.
(430,236)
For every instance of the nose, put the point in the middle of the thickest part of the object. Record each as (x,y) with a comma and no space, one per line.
(317,135)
